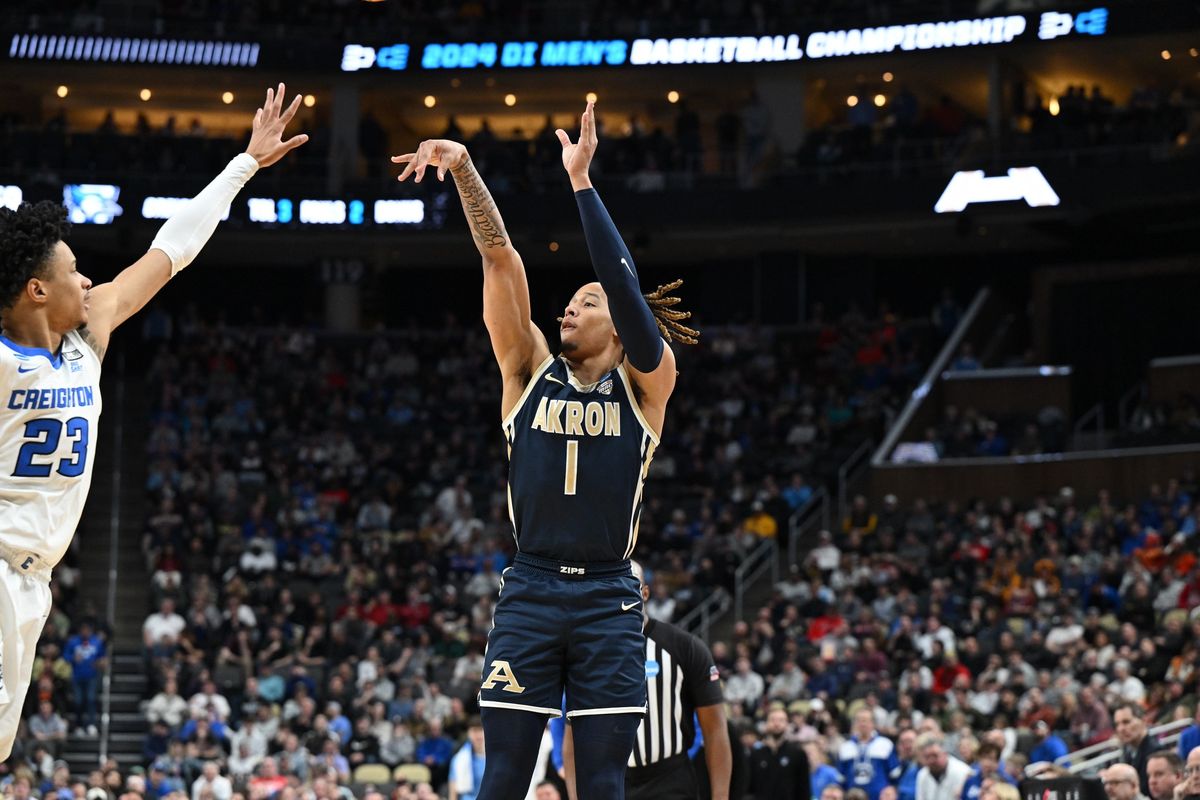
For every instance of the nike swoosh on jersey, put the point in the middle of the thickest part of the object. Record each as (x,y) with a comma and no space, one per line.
(31,369)
(556,380)
(627,606)
(626,263)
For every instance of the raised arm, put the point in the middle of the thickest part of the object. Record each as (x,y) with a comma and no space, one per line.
(181,237)
(646,354)
(517,343)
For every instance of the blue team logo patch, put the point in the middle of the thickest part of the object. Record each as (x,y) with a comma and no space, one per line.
(652,669)
(606,387)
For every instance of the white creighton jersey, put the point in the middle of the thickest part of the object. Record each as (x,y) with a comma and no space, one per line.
(49,415)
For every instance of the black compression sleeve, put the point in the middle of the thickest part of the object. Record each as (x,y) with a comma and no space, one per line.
(631,314)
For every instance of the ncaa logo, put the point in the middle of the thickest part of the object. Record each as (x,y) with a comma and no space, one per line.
(652,669)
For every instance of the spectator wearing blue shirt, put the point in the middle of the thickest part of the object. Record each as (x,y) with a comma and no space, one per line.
(821,774)
(866,758)
(904,775)
(466,768)
(338,723)
(1189,740)
(435,751)
(85,652)
(797,494)
(987,768)
(1049,747)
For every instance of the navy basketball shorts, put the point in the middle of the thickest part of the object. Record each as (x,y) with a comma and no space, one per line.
(573,627)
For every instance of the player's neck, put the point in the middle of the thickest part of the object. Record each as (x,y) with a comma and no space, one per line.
(589,370)
(32,332)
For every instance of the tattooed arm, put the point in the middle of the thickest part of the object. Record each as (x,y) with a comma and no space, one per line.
(518,344)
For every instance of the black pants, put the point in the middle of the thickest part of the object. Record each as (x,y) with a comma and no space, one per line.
(668,784)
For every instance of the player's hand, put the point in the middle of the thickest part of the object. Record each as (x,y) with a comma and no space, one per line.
(266,138)
(441,153)
(577,157)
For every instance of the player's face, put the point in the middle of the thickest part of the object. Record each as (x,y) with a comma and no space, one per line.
(65,289)
(587,327)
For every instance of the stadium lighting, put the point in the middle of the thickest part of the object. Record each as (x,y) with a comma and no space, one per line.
(888,77)
(310,100)
(62,91)
(430,101)
(510,100)
(1054,107)
(145,95)
(554,247)
(880,100)
(590,97)
(227,98)
(852,100)
(672,96)
(1166,55)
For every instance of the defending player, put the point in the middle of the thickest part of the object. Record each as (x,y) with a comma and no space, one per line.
(581,431)
(56,327)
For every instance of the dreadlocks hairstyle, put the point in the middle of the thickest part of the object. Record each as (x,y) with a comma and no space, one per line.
(670,321)
(27,237)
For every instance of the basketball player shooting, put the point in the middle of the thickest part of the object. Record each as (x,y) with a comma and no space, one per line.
(55,330)
(581,431)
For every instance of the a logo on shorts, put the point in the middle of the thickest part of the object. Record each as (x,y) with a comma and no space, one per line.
(502,673)
(27,563)
(652,669)
(572,570)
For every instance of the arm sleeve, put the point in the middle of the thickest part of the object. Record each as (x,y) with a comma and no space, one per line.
(614,268)
(182,236)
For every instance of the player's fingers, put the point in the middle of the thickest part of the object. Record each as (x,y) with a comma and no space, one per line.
(563,138)
(270,99)
(257,117)
(408,170)
(404,158)
(441,173)
(279,98)
(295,141)
(291,110)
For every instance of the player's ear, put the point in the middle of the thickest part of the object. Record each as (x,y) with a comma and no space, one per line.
(35,289)
(645,593)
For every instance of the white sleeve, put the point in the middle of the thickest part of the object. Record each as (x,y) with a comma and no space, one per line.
(182,236)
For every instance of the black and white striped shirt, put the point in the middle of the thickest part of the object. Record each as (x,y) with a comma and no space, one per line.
(680,676)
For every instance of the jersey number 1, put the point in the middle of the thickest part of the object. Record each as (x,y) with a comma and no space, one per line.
(43,435)
(572,466)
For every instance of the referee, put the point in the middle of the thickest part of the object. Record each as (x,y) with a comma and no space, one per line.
(681,679)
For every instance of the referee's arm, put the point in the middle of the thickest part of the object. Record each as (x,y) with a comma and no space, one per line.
(718,755)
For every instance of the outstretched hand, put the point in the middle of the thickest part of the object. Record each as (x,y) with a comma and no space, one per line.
(577,157)
(266,138)
(441,153)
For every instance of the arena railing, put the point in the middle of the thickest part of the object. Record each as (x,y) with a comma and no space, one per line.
(700,619)
(1101,753)
(762,559)
(850,473)
(930,379)
(813,516)
(114,544)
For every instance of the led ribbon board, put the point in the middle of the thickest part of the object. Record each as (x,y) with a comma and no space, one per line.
(190,52)
(954,33)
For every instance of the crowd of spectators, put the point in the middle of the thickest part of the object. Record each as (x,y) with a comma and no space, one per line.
(646,152)
(995,635)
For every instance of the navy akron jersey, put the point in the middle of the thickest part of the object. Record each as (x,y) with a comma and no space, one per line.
(578,457)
